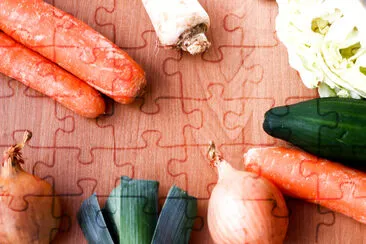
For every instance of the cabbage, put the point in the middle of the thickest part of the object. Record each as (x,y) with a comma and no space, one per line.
(326,44)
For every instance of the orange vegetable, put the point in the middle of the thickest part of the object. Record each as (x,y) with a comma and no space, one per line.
(301,175)
(35,71)
(73,45)
(29,210)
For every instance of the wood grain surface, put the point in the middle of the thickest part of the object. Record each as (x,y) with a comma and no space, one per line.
(221,95)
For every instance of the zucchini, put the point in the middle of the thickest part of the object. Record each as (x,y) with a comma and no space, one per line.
(332,128)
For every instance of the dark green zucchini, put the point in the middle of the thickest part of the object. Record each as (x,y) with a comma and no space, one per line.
(332,128)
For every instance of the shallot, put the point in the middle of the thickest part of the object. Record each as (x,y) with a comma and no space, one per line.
(245,208)
(29,210)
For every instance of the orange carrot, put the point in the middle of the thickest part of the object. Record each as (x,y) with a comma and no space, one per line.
(301,175)
(73,45)
(35,71)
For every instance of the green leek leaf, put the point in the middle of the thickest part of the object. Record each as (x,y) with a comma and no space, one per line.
(92,223)
(176,219)
(132,211)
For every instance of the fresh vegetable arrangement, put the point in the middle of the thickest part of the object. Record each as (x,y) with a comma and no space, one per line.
(326,43)
(131,215)
(245,208)
(29,209)
(180,23)
(332,128)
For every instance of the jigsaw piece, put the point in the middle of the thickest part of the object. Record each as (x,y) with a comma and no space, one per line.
(114,19)
(170,117)
(232,71)
(34,110)
(222,112)
(104,171)
(245,120)
(245,18)
(340,231)
(86,136)
(277,75)
(6,89)
(320,225)
(151,161)
(314,222)
(195,170)
(224,33)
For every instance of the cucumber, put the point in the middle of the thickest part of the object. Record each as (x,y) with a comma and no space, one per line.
(332,128)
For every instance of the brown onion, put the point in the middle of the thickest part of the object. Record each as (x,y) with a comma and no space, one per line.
(29,211)
(245,208)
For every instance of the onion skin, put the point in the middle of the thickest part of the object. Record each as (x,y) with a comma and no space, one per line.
(245,208)
(29,211)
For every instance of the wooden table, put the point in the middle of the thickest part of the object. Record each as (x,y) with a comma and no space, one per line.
(221,96)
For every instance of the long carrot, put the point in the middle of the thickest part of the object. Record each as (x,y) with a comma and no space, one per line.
(30,68)
(73,45)
(301,175)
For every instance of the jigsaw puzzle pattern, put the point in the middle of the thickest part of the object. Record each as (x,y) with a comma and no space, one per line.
(221,95)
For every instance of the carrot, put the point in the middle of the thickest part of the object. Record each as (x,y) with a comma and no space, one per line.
(35,71)
(301,175)
(75,46)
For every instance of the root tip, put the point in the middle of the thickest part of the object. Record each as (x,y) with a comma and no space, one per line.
(196,44)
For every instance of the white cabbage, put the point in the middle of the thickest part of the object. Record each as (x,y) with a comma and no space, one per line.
(326,43)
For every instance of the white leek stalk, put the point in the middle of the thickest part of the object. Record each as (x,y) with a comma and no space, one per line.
(180,23)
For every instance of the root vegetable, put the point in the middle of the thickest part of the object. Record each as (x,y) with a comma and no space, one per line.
(29,211)
(35,71)
(245,208)
(74,46)
(180,23)
(302,175)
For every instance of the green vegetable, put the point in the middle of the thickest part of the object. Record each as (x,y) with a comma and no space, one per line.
(92,223)
(130,215)
(332,128)
(326,43)
(176,218)
(131,211)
